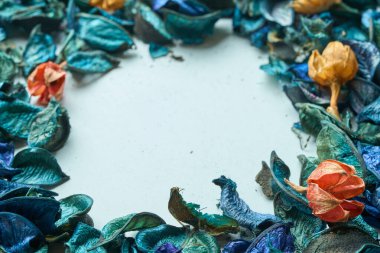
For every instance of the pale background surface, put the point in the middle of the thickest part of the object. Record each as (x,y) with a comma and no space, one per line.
(153,124)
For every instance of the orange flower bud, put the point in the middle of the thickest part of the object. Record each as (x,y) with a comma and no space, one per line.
(47,81)
(333,68)
(329,187)
(108,5)
(313,6)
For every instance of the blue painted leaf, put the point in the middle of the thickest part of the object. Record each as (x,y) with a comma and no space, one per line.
(157,51)
(371,113)
(16,117)
(7,150)
(368,56)
(70,14)
(101,33)
(301,71)
(83,238)
(236,246)
(90,62)
(189,29)
(40,49)
(10,190)
(42,212)
(362,93)
(6,171)
(18,235)
(73,208)
(233,206)
(151,239)
(371,156)
(8,68)
(167,248)
(280,12)
(276,237)
(39,167)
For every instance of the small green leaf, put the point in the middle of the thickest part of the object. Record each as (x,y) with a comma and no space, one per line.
(91,62)
(16,117)
(83,238)
(131,222)
(73,208)
(50,128)
(39,167)
(189,213)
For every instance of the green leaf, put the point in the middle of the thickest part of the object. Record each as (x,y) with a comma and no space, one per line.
(333,143)
(82,239)
(189,213)
(131,222)
(8,68)
(73,208)
(91,62)
(149,240)
(308,165)
(39,167)
(50,128)
(16,117)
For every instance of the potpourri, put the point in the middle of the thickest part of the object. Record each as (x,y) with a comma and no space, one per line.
(325,54)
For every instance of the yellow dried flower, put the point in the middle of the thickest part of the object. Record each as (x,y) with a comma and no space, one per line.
(108,5)
(313,6)
(332,69)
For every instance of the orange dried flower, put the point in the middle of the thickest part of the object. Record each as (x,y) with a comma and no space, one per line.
(329,187)
(108,5)
(332,69)
(313,6)
(47,81)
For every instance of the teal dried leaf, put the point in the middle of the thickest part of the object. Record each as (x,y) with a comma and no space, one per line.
(233,206)
(40,49)
(333,143)
(277,68)
(361,224)
(362,93)
(189,213)
(370,113)
(368,133)
(3,34)
(265,179)
(71,45)
(339,239)
(19,235)
(15,91)
(8,68)
(101,33)
(10,190)
(90,62)
(44,249)
(369,248)
(303,227)
(308,164)
(189,29)
(129,246)
(16,117)
(50,128)
(149,26)
(280,171)
(149,240)
(73,209)
(280,12)
(317,30)
(83,238)
(132,222)
(157,51)
(39,167)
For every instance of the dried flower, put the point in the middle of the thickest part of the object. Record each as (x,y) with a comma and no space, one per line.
(313,6)
(47,81)
(332,69)
(329,187)
(108,5)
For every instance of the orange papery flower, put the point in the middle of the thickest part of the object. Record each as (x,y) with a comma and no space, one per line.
(313,6)
(330,186)
(47,81)
(107,5)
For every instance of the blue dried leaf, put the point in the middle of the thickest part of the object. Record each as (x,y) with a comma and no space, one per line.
(187,7)
(42,212)
(167,248)
(91,62)
(233,206)
(371,156)
(18,235)
(10,190)
(259,38)
(16,117)
(277,68)
(189,29)
(8,68)
(362,93)
(73,208)
(50,128)
(349,31)
(368,56)
(101,33)
(236,246)
(129,246)
(7,171)
(39,168)
(300,71)
(3,34)
(40,49)
(83,238)
(370,113)
(157,51)
(280,12)
(7,150)
(70,14)
(276,237)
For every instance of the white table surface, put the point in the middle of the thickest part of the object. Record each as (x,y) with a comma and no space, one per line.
(150,125)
